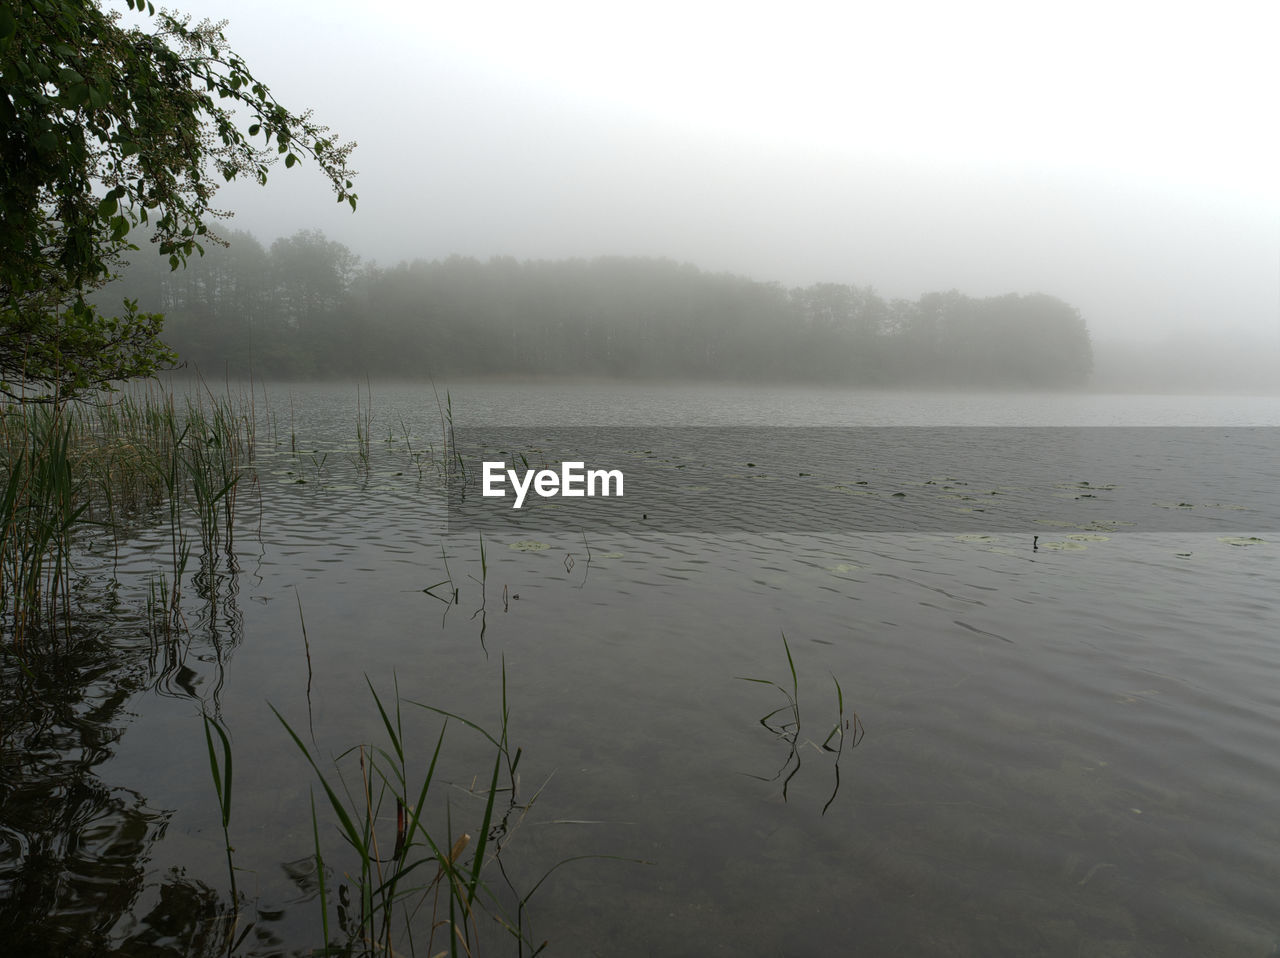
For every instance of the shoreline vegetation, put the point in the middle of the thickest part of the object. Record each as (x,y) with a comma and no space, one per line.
(307,307)
(79,481)
(107,468)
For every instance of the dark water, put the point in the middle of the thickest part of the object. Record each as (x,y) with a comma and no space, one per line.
(1067,751)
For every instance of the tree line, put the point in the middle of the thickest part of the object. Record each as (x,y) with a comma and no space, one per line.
(308,307)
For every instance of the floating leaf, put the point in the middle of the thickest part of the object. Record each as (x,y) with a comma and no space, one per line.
(528,545)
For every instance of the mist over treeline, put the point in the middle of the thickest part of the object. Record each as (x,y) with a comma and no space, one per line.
(306,307)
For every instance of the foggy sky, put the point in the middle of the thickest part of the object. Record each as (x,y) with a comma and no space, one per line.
(1123,158)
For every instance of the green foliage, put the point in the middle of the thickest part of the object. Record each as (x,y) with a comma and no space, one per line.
(41,504)
(221,771)
(104,128)
(69,467)
(394,882)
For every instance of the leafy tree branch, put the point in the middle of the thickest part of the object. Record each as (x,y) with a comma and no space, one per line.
(104,128)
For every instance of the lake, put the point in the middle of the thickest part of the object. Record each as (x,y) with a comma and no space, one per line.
(750,741)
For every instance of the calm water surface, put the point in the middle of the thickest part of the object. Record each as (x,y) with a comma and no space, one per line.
(1068,751)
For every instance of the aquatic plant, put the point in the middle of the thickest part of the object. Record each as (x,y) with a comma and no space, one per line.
(392,881)
(219,439)
(364,427)
(41,505)
(788,728)
(416,456)
(107,465)
(221,770)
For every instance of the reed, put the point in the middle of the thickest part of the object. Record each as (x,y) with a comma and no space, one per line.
(210,460)
(108,465)
(788,731)
(221,769)
(364,426)
(784,722)
(416,456)
(148,458)
(43,503)
(394,878)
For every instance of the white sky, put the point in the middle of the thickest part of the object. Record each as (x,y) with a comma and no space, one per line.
(1122,156)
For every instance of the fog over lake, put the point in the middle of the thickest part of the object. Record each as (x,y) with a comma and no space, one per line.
(1120,160)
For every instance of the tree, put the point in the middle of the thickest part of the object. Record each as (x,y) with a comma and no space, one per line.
(103,128)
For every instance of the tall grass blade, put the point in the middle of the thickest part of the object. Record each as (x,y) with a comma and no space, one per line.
(324,899)
(222,779)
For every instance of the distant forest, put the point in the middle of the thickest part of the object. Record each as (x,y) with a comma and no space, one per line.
(308,308)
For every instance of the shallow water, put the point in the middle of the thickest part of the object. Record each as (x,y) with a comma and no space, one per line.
(1067,750)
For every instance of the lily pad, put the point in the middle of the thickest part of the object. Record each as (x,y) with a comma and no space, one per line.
(528,545)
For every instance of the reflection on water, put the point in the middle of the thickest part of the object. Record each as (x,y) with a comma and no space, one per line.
(74,847)
(74,875)
(1067,750)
